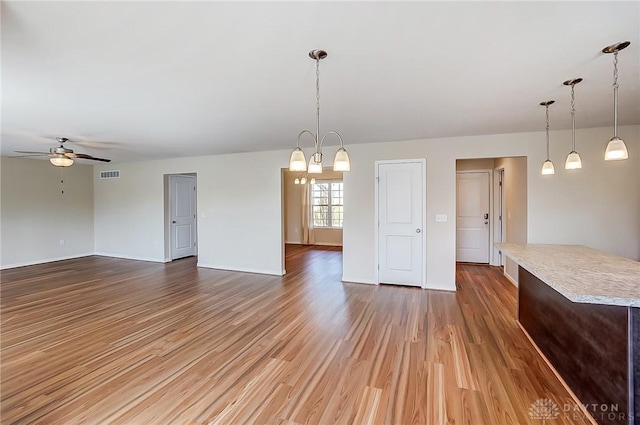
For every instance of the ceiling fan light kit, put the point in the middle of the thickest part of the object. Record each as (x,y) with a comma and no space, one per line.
(298,161)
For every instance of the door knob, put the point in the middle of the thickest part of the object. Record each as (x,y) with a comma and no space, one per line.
(173,221)
(486,222)
(418,230)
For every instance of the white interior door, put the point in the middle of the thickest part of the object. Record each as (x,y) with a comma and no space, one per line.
(182,203)
(472,217)
(401,223)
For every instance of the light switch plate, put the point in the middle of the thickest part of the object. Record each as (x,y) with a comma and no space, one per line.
(441,218)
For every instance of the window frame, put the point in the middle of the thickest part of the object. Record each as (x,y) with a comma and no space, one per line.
(329,205)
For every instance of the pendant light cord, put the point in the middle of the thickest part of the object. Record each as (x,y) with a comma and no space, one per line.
(547,107)
(318,147)
(573,119)
(615,93)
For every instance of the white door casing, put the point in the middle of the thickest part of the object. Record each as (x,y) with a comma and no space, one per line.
(400,211)
(182,204)
(472,216)
(499,230)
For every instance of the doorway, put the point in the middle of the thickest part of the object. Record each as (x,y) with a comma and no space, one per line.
(507,209)
(401,215)
(180,216)
(313,218)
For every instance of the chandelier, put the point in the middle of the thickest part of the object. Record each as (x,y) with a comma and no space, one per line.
(298,161)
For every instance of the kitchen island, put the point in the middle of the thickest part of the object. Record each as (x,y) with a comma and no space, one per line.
(581,307)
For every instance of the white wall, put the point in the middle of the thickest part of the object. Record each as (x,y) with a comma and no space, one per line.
(597,206)
(36,216)
(239,210)
(293,210)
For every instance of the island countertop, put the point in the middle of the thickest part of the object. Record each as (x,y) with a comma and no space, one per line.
(581,274)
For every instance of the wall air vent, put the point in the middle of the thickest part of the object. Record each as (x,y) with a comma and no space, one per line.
(115,174)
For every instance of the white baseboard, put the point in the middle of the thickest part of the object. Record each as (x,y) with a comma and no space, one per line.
(441,289)
(45,260)
(510,279)
(131,257)
(314,244)
(242,269)
(358,280)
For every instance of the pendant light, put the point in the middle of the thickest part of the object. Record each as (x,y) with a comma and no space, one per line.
(297,161)
(547,166)
(573,161)
(616,149)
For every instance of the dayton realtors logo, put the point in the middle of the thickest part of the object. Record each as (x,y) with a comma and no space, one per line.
(544,409)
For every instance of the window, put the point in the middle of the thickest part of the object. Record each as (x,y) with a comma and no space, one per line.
(326,204)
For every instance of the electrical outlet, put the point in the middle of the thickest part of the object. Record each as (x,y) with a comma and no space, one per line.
(61,242)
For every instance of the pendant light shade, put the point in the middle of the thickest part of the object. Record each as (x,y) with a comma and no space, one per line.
(61,161)
(297,162)
(303,180)
(313,180)
(547,168)
(296,181)
(573,161)
(616,149)
(341,161)
(314,167)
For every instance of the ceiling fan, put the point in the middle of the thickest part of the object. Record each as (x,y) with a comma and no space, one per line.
(61,156)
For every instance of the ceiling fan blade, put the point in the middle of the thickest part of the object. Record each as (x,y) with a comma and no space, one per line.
(28,155)
(85,156)
(33,153)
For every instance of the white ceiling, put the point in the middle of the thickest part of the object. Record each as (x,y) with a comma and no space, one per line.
(143,80)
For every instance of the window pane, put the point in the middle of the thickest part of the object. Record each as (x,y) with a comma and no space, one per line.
(336,193)
(320,216)
(336,216)
(320,194)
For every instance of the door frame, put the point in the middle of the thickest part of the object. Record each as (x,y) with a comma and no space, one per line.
(498,211)
(423,166)
(168,234)
(491,214)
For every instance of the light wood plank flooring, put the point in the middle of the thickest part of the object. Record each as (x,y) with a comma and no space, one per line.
(100,340)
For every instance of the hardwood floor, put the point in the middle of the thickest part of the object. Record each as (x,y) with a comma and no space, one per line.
(100,340)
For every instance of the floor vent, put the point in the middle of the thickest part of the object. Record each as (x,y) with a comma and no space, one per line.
(115,174)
